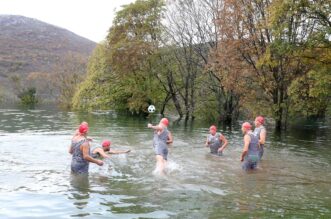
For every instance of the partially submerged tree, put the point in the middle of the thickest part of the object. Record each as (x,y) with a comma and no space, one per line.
(269,44)
(133,40)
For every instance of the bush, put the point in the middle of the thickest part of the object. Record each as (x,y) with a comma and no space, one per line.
(28,96)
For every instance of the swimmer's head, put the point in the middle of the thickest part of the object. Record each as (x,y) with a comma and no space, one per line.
(83,129)
(84,123)
(106,145)
(259,121)
(246,126)
(212,130)
(164,121)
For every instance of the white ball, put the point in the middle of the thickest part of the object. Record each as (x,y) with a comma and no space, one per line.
(151,109)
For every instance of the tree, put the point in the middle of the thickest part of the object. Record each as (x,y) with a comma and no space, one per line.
(95,92)
(67,77)
(188,32)
(133,41)
(310,94)
(28,96)
(268,43)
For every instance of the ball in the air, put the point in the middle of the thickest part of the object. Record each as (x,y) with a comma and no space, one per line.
(151,109)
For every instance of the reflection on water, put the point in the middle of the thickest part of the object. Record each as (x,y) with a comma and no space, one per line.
(80,192)
(292,181)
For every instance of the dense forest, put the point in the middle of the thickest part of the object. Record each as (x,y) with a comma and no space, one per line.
(213,60)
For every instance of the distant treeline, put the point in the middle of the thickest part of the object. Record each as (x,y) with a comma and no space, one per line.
(214,60)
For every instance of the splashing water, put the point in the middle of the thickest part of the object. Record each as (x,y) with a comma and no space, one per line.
(35,172)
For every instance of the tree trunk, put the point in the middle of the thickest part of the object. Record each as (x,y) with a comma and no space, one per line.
(166,100)
(278,101)
(174,96)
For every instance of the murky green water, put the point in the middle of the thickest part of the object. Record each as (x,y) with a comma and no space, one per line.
(293,180)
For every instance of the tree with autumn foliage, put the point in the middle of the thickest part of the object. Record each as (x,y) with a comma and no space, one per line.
(268,40)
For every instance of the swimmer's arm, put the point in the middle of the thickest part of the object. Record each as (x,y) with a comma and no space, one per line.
(262,136)
(70,149)
(223,139)
(101,152)
(112,151)
(207,142)
(247,140)
(170,138)
(86,149)
(155,127)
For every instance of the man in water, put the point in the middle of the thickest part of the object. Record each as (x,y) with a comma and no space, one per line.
(80,150)
(261,133)
(162,137)
(101,151)
(250,153)
(216,141)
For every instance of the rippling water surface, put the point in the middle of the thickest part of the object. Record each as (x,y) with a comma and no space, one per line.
(293,180)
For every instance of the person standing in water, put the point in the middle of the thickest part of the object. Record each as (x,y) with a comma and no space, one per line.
(250,153)
(261,133)
(162,137)
(77,131)
(80,150)
(216,141)
(101,151)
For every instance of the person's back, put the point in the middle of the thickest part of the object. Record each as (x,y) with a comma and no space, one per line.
(253,148)
(252,157)
(93,151)
(260,133)
(78,163)
(250,153)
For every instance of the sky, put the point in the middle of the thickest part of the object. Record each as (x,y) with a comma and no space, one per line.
(88,18)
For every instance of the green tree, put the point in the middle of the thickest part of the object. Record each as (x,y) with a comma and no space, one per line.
(28,96)
(133,41)
(95,92)
(310,94)
(120,70)
(311,20)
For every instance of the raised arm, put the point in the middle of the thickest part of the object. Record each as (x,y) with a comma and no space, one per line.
(247,140)
(86,154)
(155,127)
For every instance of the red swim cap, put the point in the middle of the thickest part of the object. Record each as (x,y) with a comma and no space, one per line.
(213,127)
(165,121)
(83,128)
(260,119)
(106,143)
(247,125)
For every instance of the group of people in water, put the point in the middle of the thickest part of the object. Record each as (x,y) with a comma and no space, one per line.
(83,154)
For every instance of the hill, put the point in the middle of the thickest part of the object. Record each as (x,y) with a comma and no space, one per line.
(31,49)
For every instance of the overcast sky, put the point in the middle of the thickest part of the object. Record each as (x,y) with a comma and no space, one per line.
(88,18)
